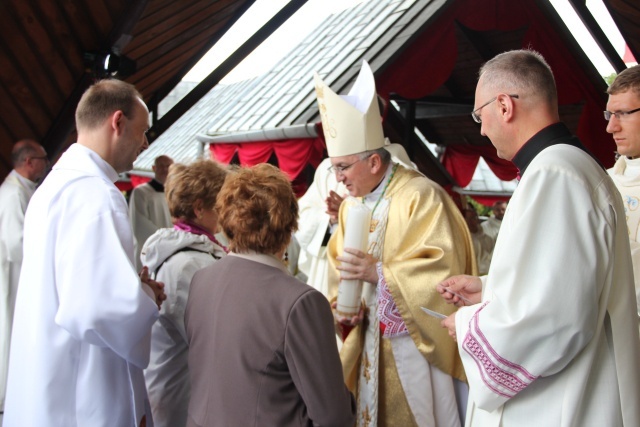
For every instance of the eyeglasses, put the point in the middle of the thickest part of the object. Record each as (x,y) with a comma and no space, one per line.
(619,114)
(341,169)
(45,158)
(474,115)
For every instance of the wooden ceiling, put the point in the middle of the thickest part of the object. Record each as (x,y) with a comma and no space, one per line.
(44,45)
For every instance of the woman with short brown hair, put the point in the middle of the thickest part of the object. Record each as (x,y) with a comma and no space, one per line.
(262,349)
(174,255)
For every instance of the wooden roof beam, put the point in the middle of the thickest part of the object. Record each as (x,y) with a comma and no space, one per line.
(599,36)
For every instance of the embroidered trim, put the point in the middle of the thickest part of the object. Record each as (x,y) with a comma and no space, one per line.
(501,376)
(390,318)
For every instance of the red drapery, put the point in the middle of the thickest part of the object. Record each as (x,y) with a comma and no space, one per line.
(124,185)
(461,162)
(293,155)
(428,62)
(134,181)
(138,180)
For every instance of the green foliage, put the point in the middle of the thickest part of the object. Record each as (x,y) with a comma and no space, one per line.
(481,209)
(610,78)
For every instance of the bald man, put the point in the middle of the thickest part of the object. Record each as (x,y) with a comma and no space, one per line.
(29,166)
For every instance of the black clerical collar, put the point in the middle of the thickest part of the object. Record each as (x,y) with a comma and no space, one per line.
(156,185)
(557,133)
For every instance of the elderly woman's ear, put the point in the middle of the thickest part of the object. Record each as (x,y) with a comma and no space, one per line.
(198,208)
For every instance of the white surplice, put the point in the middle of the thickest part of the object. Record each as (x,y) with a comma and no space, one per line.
(555,342)
(313,225)
(149,212)
(626,175)
(82,324)
(15,193)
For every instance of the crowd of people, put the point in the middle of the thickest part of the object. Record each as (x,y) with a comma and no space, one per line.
(179,309)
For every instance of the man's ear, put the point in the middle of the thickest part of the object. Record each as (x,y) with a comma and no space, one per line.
(375,163)
(117,122)
(506,105)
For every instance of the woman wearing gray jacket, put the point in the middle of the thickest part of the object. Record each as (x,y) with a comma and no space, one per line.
(174,255)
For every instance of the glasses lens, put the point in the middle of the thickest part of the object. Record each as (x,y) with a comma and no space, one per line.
(607,115)
(476,118)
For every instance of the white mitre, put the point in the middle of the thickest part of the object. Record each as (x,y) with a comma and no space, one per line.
(351,123)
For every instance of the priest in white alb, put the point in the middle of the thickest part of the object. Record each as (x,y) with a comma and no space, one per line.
(82,326)
(552,339)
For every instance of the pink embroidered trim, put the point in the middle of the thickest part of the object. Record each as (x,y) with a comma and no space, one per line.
(388,312)
(501,376)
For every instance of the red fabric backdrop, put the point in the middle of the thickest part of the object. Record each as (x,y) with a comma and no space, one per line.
(293,155)
(428,62)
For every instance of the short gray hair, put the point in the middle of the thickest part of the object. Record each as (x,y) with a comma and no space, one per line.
(385,156)
(521,71)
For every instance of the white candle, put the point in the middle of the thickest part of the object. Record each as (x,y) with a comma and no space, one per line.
(356,236)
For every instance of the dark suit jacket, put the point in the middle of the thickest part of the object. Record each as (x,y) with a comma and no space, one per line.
(262,350)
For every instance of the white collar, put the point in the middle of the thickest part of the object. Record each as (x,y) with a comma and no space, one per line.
(377,192)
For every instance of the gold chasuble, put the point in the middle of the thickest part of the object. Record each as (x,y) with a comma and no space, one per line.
(421,239)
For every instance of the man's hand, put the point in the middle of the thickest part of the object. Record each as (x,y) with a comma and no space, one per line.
(357,265)
(461,290)
(156,287)
(450,324)
(333,206)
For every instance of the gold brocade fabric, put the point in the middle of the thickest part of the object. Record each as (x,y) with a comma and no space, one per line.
(393,408)
(426,242)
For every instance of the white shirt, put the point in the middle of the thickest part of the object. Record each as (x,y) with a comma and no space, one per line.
(82,325)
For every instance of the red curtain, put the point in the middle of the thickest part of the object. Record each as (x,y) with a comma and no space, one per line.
(425,65)
(124,185)
(138,180)
(293,155)
(461,161)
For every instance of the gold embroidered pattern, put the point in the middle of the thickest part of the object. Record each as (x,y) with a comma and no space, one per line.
(366,417)
(366,366)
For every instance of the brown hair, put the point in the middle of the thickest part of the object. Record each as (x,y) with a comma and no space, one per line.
(103,99)
(628,79)
(258,210)
(186,184)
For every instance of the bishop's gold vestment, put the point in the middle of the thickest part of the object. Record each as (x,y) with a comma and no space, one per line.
(426,241)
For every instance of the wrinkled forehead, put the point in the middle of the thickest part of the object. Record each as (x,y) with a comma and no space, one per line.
(343,160)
